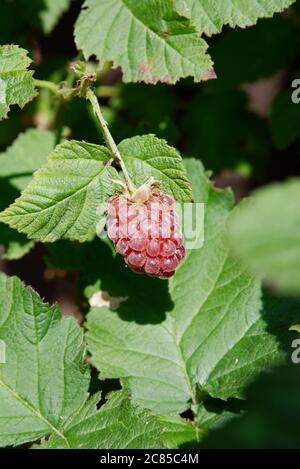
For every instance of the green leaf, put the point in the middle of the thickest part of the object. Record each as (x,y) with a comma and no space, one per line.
(214,413)
(43,381)
(264,231)
(210,16)
(147,156)
(179,433)
(273,404)
(62,199)
(17,164)
(157,115)
(118,425)
(16,81)
(148,39)
(211,333)
(26,155)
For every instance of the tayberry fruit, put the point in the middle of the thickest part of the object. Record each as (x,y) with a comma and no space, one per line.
(146,233)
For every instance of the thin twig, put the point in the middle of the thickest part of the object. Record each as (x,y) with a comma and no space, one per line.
(108,138)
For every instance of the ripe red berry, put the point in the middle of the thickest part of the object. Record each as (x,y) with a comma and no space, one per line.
(147,233)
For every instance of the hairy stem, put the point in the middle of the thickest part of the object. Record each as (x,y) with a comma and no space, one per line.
(108,138)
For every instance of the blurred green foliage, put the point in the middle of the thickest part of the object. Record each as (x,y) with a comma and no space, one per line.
(272,417)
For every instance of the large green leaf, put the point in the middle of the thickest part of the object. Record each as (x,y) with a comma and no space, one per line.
(284,122)
(16,81)
(213,332)
(43,380)
(62,199)
(264,231)
(148,39)
(17,16)
(147,156)
(44,383)
(209,16)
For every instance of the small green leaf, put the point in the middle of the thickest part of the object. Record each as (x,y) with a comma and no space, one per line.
(147,156)
(148,39)
(16,81)
(264,231)
(209,16)
(62,199)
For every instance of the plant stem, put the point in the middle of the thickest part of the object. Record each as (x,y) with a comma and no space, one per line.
(108,138)
(48,85)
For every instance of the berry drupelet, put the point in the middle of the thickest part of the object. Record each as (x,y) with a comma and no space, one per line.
(146,232)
